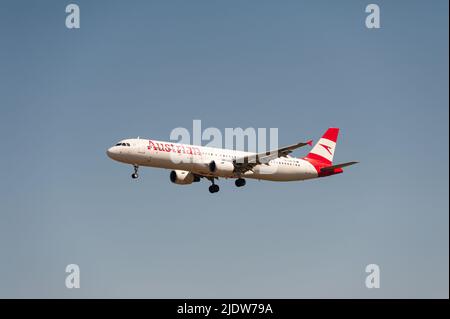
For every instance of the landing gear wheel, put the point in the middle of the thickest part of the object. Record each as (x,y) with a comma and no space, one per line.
(239,182)
(214,188)
(135,174)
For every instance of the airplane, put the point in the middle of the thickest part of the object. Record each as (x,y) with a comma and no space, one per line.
(190,163)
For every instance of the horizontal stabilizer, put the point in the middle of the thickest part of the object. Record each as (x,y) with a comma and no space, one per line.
(332,168)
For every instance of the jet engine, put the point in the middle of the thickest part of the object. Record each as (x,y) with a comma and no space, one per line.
(182,177)
(221,168)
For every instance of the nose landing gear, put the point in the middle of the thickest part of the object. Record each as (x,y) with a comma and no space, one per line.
(135,174)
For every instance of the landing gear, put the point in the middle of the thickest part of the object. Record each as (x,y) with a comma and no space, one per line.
(239,182)
(213,188)
(135,174)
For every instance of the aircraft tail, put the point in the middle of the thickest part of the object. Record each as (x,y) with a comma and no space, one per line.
(323,151)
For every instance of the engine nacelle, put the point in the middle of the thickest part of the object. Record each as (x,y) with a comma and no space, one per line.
(201,167)
(221,168)
(182,177)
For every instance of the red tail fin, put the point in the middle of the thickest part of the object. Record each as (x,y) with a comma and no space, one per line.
(323,151)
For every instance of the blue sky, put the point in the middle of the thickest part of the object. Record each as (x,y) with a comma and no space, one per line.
(141,68)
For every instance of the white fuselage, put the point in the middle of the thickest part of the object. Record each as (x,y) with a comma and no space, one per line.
(195,159)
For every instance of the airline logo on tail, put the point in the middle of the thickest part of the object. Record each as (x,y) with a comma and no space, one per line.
(328,148)
(323,151)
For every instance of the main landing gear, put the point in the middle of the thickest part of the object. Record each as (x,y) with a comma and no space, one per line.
(239,182)
(135,174)
(213,188)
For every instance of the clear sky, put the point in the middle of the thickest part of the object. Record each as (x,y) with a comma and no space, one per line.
(142,68)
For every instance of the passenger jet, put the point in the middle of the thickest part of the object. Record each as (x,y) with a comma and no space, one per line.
(190,163)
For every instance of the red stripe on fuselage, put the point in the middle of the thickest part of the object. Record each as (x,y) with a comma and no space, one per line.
(317,158)
(319,162)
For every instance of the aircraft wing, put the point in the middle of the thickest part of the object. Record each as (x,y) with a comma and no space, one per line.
(247,163)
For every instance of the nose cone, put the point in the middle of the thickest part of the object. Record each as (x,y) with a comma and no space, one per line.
(111,152)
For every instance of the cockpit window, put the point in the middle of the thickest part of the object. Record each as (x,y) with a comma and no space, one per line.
(118,144)
(123,144)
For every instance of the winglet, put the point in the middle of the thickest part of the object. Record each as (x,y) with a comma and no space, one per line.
(309,142)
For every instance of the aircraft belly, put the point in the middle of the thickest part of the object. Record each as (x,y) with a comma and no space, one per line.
(281,173)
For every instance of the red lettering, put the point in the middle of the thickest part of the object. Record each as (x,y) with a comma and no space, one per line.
(151,145)
(197,151)
(160,147)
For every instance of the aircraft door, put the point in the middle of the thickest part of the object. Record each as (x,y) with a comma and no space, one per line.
(144,152)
